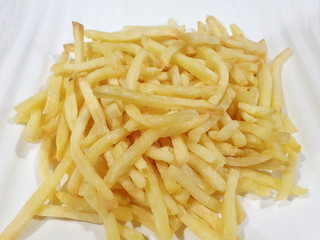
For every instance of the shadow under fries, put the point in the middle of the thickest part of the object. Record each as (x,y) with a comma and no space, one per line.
(23,148)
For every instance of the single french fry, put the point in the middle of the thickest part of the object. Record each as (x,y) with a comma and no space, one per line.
(180,149)
(78,35)
(134,70)
(32,131)
(44,159)
(68,213)
(62,137)
(277,95)
(157,204)
(178,91)
(53,96)
(229,219)
(146,99)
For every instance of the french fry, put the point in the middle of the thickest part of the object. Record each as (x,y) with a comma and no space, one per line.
(198,226)
(205,213)
(93,106)
(53,96)
(78,35)
(68,213)
(62,137)
(180,149)
(193,189)
(178,91)
(44,159)
(32,131)
(277,95)
(229,220)
(146,99)
(157,205)
(133,152)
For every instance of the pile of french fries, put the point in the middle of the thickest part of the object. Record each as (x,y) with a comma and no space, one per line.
(159,126)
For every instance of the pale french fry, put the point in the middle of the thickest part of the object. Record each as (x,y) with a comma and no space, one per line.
(245,44)
(193,189)
(265,85)
(226,148)
(134,70)
(198,226)
(93,106)
(44,159)
(224,133)
(32,131)
(99,204)
(248,160)
(180,149)
(74,202)
(182,196)
(53,96)
(197,178)
(78,35)
(178,91)
(215,61)
(196,133)
(159,120)
(68,213)
(82,162)
(144,217)
(208,173)
(125,36)
(146,99)
(70,105)
(170,51)
(277,95)
(287,177)
(263,133)
(203,152)
(236,30)
(229,220)
(248,185)
(160,154)
(29,105)
(129,233)
(157,205)
(199,38)
(133,152)
(208,143)
(197,69)
(169,183)
(62,137)
(205,213)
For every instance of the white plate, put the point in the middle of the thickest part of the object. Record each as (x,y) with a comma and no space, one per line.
(32,34)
